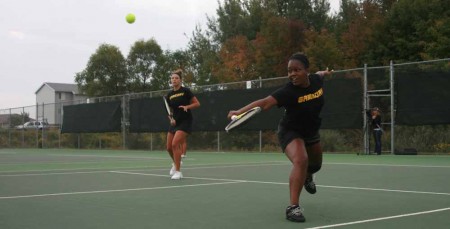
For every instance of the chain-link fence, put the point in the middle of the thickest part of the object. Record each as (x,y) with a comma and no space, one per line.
(17,131)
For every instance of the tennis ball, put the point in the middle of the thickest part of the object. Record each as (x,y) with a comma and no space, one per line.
(130,18)
(233,117)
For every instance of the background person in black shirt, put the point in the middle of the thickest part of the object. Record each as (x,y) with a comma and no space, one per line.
(298,130)
(375,123)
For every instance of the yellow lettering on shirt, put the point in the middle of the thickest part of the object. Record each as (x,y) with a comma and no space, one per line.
(176,95)
(311,96)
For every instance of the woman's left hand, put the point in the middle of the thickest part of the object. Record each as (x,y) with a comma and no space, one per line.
(327,72)
(185,108)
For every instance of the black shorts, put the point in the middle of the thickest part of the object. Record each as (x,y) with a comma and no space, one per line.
(286,136)
(185,126)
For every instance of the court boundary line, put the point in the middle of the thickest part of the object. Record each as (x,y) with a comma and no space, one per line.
(159,167)
(226,181)
(381,218)
(140,168)
(116,190)
(280,183)
(388,165)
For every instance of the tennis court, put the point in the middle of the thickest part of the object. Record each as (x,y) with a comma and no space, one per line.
(54,188)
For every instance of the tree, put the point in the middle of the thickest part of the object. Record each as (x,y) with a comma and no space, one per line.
(105,73)
(142,60)
(18,119)
(237,55)
(276,42)
(414,30)
(322,51)
(202,57)
(169,62)
(360,22)
(231,21)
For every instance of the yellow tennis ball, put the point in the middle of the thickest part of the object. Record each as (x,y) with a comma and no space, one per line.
(233,117)
(130,18)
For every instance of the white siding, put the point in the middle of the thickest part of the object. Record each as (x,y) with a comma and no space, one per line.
(46,96)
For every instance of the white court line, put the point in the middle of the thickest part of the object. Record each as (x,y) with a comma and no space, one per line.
(114,190)
(382,218)
(106,156)
(141,168)
(90,168)
(8,153)
(69,163)
(280,183)
(195,178)
(47,174)
(385,190)
(389,165)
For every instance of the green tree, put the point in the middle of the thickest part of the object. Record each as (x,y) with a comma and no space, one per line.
(105,73)
(202,57)
(414,30)
(276,42)
(18,119)
(313,13)
(142,60)
(357,24)
(231,20)
(170,61)
(323,51)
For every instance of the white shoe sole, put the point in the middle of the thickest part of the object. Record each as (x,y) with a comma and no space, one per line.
(177,176)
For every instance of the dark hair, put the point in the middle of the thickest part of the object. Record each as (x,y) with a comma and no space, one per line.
(300,57)
(179,72)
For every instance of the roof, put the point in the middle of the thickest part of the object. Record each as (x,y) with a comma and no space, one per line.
(61,87)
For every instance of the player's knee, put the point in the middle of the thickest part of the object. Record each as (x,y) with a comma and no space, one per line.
(314,168)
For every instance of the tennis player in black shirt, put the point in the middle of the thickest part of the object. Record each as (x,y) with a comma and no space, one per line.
(181,100)
(298,130)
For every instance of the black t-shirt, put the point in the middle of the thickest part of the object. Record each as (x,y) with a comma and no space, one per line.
(374,123)
(302,105)
(180,97)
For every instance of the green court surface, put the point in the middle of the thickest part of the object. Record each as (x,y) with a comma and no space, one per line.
(105,189)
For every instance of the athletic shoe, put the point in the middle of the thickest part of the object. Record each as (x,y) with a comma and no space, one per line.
(295,213)
(177,176)
(172,170)
(310,186)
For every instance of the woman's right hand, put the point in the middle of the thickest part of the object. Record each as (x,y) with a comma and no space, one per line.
(172,121)
(231,113)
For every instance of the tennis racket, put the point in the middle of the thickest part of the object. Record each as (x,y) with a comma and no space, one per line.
(242,118)
(169,111)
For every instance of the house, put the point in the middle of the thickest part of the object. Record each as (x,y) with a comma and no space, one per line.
(51,97)
(4,120)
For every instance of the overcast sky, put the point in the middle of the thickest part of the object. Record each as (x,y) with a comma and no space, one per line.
(51,40)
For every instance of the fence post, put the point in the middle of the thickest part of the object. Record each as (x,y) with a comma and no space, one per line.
(43,129)
(124,121)
(365,105)
(9,129)
(391,68)
(218,141)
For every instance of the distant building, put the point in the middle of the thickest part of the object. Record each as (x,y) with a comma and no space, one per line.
(4,120)
(51,97)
